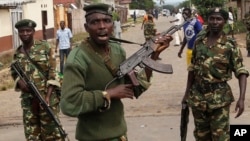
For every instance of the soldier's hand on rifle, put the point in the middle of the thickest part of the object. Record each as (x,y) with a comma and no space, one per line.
(162,42)
(23,86)
(49,93)
(121,91)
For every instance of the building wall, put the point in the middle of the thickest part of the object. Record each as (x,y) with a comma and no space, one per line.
(31,11)
(5,22)
(37,8)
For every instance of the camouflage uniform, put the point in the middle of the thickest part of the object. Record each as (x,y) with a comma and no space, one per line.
(149,30)
(247,22)
(38,126)
(210,96)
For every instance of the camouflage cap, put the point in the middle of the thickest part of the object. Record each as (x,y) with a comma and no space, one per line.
(25,23)
(98,8)
(220,11)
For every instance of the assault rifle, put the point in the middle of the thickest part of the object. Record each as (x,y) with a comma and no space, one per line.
(141,57)
(18,69)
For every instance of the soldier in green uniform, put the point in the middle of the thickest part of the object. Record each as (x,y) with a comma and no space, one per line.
(215,57)
(149,28)
(89,68)
(247,22)
(39,64)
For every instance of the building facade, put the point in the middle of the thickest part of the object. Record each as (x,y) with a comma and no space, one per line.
(11,11)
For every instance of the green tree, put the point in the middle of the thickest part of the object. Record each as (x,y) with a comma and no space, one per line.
(142,4)
(169,7)
(204,5)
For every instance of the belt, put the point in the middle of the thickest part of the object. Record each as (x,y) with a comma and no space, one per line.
(210,87)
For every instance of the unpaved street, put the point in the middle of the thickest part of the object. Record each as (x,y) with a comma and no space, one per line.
(155,116)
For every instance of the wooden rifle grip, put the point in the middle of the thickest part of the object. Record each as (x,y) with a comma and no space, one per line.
(133,78)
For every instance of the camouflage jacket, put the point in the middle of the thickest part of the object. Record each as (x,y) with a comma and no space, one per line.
(214,66)
(149,29)
(248,39)
(41,53)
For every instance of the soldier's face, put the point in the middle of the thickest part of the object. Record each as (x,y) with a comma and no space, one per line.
(100,27)
(216,22)
(26,34)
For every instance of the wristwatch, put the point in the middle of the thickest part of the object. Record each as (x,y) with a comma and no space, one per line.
(107,101)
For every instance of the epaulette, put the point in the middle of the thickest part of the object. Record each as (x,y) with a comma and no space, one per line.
(38,42)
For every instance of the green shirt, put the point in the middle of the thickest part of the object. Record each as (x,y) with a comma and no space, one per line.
(85,77)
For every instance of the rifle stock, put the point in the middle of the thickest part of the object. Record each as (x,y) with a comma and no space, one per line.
(18,69)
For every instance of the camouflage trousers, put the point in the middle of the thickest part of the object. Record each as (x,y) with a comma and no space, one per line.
(38,125)
(212,124)
(248,41)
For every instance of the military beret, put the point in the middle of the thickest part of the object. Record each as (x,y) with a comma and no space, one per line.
(98,8)
(25,23)
(220,11)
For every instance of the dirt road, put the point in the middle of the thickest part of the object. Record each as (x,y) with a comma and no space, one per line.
(155,116)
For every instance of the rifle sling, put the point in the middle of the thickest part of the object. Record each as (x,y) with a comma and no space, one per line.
(39,68)
(124,41)
(111,67)
(105,58)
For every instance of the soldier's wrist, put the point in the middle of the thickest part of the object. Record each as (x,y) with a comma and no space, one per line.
(107,101)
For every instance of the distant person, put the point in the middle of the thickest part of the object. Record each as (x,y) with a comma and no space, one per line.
(231,21)
(247,23)
(134,17)
(145,19)
(117,28)
(156,14)
(191,29)
(177,21)
(64,41)
(198,17)
(149,28)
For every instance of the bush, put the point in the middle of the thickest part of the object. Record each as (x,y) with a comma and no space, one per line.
(239,27)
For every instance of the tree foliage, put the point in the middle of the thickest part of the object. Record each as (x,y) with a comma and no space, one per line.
(204,5)
(142,4)
(169,7)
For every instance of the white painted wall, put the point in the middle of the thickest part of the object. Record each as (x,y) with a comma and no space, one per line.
(30,11)
(5,23)
(34,11)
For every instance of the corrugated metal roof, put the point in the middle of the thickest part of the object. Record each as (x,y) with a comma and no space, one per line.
(14,2)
